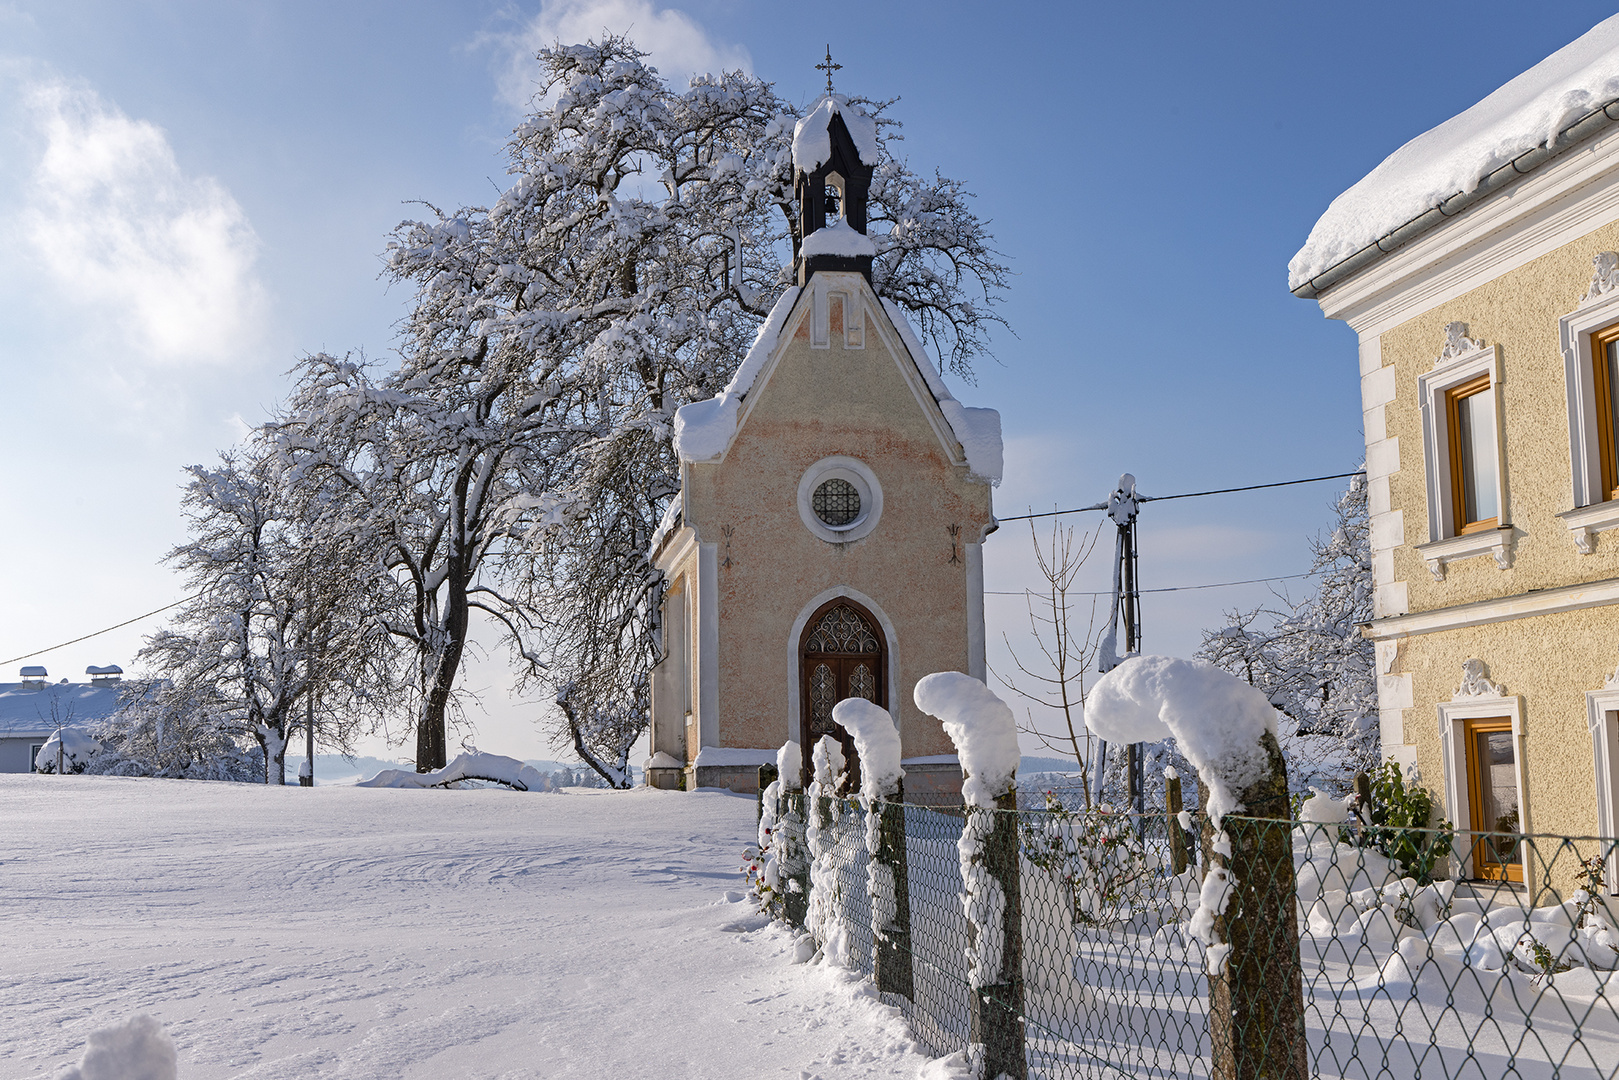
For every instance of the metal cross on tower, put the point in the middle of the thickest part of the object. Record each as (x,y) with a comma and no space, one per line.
(829,67)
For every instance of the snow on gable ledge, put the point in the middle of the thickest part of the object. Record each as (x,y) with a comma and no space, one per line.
(812,141)
(1526,113)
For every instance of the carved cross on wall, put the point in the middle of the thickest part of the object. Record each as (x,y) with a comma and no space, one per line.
(955,535)
(727,531)
(829,67)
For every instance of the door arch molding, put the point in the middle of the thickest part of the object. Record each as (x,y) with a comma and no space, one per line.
(795,640)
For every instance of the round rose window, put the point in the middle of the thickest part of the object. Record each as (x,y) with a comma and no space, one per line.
(836,502)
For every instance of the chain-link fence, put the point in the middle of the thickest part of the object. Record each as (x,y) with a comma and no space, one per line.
(1405,953)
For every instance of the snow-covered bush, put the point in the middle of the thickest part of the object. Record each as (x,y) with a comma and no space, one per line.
(1108,873)
(165,730)
(73,747)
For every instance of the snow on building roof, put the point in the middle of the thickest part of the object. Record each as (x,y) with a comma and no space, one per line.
(29,709)
(812,141)
(1526,113)
(703,429)
(34,671)
(110,669)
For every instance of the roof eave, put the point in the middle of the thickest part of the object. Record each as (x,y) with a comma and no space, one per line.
(1586,127)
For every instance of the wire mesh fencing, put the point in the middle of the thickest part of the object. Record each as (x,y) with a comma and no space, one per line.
(1094,944)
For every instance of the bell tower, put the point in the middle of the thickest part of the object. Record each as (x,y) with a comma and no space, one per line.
(834,150)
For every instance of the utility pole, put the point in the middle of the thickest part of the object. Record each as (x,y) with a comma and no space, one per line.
(1122,507)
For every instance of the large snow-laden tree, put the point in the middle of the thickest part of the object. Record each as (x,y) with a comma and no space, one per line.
(1310,658)
(281,615)
(623,273)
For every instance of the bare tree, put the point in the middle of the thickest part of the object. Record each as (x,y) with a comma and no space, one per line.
(1057,687)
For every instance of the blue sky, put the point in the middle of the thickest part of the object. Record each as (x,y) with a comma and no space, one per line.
(192,194)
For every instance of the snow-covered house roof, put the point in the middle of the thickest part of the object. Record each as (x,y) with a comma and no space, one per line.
(704,429)
(33,709)
(1561,101)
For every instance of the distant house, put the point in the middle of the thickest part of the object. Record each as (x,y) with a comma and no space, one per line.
(32,709)
(1478,266)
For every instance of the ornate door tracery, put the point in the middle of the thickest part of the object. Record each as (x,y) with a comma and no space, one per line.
(841,655)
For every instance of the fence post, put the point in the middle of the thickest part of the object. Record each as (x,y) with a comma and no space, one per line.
(893,966)
(1256,1006)
(767,776)
(997,1008)
(1363,797)
(1177,836)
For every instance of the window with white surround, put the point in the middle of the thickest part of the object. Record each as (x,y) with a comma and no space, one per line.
(1602,716)
(1590,342)
(1481,744)
(1462,450)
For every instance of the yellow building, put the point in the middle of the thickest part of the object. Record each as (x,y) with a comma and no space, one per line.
(1477,265)
(826,541)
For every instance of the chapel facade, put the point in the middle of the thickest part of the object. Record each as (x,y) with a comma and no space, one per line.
(827,538)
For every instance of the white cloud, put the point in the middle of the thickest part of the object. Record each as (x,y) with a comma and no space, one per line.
(163,258)
(678,45)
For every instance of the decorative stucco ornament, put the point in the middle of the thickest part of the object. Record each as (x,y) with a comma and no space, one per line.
(1612,681)
(1457,343)
(1475,684)
(1605,277)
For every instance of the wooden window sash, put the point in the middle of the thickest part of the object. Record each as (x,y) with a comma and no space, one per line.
(1484,867)
(1604,409)
(1458,500)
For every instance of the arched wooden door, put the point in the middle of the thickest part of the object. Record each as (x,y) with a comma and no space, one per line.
(841,655)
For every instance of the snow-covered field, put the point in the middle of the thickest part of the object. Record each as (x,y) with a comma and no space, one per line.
(348,932)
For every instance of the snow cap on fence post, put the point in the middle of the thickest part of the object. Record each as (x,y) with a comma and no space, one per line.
(982,727)
(876,740)
(985,733)
(1217,720)
(829,764)
(790,766)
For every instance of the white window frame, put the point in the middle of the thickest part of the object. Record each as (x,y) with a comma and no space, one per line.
(1444,545)
(1593,512)
(1453,716)
(856,472)
(1602,717)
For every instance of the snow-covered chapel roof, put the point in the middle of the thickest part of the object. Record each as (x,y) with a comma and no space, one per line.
(703,429)
(812,138)
(1454,158)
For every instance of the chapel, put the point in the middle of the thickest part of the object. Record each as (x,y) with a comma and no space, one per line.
(827,539)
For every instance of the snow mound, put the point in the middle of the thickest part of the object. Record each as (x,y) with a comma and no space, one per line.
(703,429)
(1526,113)
(877,740)
(1322,809)
(137,1049)
(982,727)
(812,137)
(473,766)
(790,765)
(838,238)
(1217,720)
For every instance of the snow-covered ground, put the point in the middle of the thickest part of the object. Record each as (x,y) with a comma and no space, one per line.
(348,932)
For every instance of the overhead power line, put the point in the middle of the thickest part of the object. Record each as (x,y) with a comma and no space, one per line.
(98,633)
(1171,588)
(1188,495)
